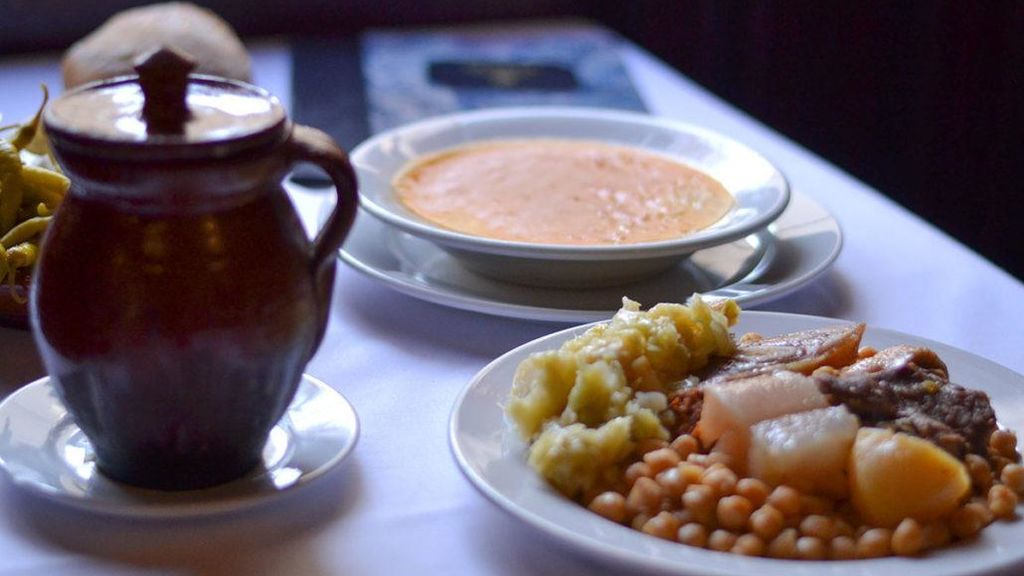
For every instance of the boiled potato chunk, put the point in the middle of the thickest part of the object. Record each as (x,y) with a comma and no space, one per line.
(731,407)
(540,390)
(807,450)
(895,476)
(575,458)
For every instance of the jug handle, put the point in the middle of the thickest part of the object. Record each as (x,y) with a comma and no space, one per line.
(311,145)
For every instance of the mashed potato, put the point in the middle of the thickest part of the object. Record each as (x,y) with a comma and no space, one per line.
(584,405)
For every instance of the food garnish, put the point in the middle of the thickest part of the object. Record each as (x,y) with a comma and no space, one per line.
(799,446)
(31,188)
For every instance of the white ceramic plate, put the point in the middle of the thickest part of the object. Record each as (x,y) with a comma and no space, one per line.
(760,191)
(42,450)
(799,246)
(493,458)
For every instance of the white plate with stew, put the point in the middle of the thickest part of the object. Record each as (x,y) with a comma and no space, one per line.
(757,191)
(493,459)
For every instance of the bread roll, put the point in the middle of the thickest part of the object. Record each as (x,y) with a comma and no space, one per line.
(111,49)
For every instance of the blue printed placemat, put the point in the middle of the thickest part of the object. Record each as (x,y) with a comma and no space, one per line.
(414,74)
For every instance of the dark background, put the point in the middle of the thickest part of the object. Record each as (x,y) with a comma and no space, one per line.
(922,100)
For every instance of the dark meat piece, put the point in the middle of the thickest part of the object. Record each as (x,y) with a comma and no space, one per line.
(870,387)
(801,352)
(942,435)
(906,388)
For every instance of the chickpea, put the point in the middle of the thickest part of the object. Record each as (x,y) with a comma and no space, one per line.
(980,471)
(786,500)
(1013,477)
(733,512)
(966,522)
(721,540)
(754,490)
(661,459)
(719,458)
(644,496)
(908,538)
(998,463)
(749,545)
(700,501)
(979,508)
(811,548)
(691,473)
(721,479)
(698,459)
(1004,442)
(1002,501)
(611,505)
(639,520)
(818,526)
(784,545)
(698,487)
(684,516)
(937,534)
(664,525)
(842,548)
(685,445)
(672,481)
(635,471)
(693,534)
(767,522)
(875,543)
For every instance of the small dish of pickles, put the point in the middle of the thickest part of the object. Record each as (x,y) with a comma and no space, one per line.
(31,188)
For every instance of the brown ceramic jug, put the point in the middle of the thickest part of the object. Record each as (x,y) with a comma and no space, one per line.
(177,297)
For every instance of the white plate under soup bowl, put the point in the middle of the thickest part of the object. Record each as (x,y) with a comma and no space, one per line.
(759,190)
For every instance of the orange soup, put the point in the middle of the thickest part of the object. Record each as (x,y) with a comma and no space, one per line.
(561,192)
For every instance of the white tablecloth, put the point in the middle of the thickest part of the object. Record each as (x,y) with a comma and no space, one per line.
(399,504)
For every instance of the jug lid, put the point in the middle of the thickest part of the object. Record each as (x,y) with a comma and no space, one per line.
(165,112)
